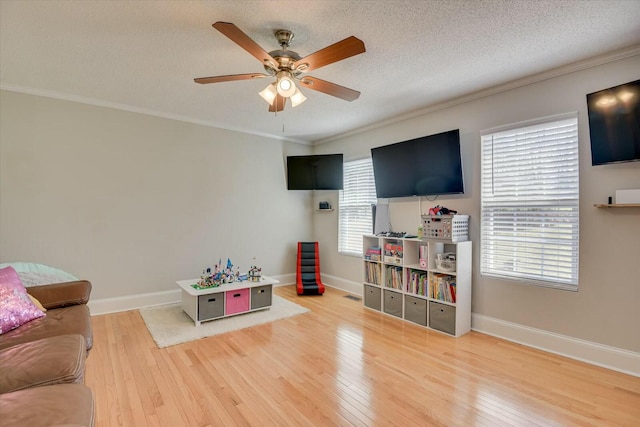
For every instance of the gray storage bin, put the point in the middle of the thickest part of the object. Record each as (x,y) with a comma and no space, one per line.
(210,306)
(415,310)
(393,303)
(442,317)
(261,297)
(372,297)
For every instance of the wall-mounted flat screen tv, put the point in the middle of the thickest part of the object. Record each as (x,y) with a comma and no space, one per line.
(426,166)
(319,172)
(614,124)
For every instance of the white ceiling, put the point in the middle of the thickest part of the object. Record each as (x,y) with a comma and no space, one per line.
(143,55)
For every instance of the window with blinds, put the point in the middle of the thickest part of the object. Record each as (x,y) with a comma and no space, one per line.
(529,203)
(355,200)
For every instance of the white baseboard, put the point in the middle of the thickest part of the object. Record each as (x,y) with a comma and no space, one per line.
(624,361)
(354,288)
(133,302)
(285,279)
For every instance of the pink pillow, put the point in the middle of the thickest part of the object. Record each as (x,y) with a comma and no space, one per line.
(16,307)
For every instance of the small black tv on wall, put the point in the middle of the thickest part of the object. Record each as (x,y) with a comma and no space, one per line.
(426,166)
(319,172)
(614,124)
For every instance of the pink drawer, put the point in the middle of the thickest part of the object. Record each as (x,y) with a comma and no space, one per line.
(236,301)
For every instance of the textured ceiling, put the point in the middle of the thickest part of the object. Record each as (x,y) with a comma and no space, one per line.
(143,55)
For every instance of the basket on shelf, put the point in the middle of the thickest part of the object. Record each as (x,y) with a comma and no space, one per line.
(453,228)
(446,262)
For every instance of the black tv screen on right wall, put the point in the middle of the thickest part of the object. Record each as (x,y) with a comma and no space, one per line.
(614,124)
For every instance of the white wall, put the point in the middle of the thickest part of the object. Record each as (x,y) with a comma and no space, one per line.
(606,309)
(133,202)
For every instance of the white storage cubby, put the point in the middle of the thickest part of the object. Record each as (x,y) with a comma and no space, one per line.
(427,282)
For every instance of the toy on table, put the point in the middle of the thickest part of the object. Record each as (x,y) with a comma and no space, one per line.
(255,273)
(219,276)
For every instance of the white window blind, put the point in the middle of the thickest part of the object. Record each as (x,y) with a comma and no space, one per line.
(529,205)
(356,198)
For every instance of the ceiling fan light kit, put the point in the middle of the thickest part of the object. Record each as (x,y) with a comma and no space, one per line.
(297,98)
(287,67)
(286,87)
(269,93)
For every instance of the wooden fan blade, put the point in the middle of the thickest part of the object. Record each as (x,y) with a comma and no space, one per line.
(278,104)
(229,78)
(344,49)
(330,88)
(244,41)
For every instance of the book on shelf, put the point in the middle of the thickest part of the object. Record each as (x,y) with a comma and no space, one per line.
(373,253)
(393,250)
(417,282)
(393,253)
(372,273)
(422,252)
(393,277)
(443,287)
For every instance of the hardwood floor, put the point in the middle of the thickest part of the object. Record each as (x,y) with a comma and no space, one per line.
(343,365)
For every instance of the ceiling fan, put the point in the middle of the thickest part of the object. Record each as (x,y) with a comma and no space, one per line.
(288,67)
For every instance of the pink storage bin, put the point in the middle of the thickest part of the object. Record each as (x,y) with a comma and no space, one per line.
(236,301)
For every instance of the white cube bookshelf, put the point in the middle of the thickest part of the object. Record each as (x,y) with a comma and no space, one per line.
(406,281)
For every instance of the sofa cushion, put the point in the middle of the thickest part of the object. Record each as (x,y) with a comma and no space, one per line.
(74,319)
(62,294)
(53,405)
(17,307)
(54,360)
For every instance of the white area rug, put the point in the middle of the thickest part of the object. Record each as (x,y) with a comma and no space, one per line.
(170,325)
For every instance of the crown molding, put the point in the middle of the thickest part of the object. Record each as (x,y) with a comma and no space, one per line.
(514,84)
(132,109)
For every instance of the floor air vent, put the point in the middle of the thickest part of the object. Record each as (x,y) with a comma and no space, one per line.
(353,297)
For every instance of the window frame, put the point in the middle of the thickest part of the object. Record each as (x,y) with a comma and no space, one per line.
(361,203)
(535,213)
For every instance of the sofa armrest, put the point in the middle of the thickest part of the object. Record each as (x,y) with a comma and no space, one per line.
(62,294)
